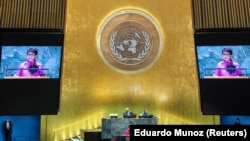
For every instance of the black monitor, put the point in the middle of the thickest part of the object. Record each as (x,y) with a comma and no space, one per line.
(30,87)
(223,66)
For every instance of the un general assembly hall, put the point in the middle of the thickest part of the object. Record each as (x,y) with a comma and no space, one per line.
(124,70)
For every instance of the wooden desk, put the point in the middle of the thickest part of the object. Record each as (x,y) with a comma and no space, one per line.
(26,77)
(226,77)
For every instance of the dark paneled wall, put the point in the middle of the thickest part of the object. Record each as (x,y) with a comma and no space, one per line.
(221,14)
(32,14)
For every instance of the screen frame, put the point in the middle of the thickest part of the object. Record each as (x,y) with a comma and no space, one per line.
(222,96)
(47,100)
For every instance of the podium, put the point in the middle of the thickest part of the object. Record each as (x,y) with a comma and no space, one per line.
(209,73)
(226,77)
(26,77)
(115,127)
(10,73)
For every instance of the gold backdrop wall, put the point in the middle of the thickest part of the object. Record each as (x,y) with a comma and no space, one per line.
(91,90)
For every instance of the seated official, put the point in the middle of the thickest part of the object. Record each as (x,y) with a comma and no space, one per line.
(144,114)
(128,114)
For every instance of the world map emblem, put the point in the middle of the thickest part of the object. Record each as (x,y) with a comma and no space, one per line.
(129,41)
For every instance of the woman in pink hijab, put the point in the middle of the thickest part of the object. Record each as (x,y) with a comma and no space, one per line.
(227,67)
(30,67)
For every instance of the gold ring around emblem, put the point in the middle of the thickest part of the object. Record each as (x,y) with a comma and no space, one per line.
(129,41)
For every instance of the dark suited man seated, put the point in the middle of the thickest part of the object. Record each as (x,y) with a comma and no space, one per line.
(128,114)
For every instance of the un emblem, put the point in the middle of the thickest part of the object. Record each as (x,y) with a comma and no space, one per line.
(129,41)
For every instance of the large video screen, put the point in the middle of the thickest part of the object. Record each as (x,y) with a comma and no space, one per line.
(30,72)
(30,62)
(223,69)
(223,62)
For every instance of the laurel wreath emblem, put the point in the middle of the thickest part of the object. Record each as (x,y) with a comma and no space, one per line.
(140,56)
